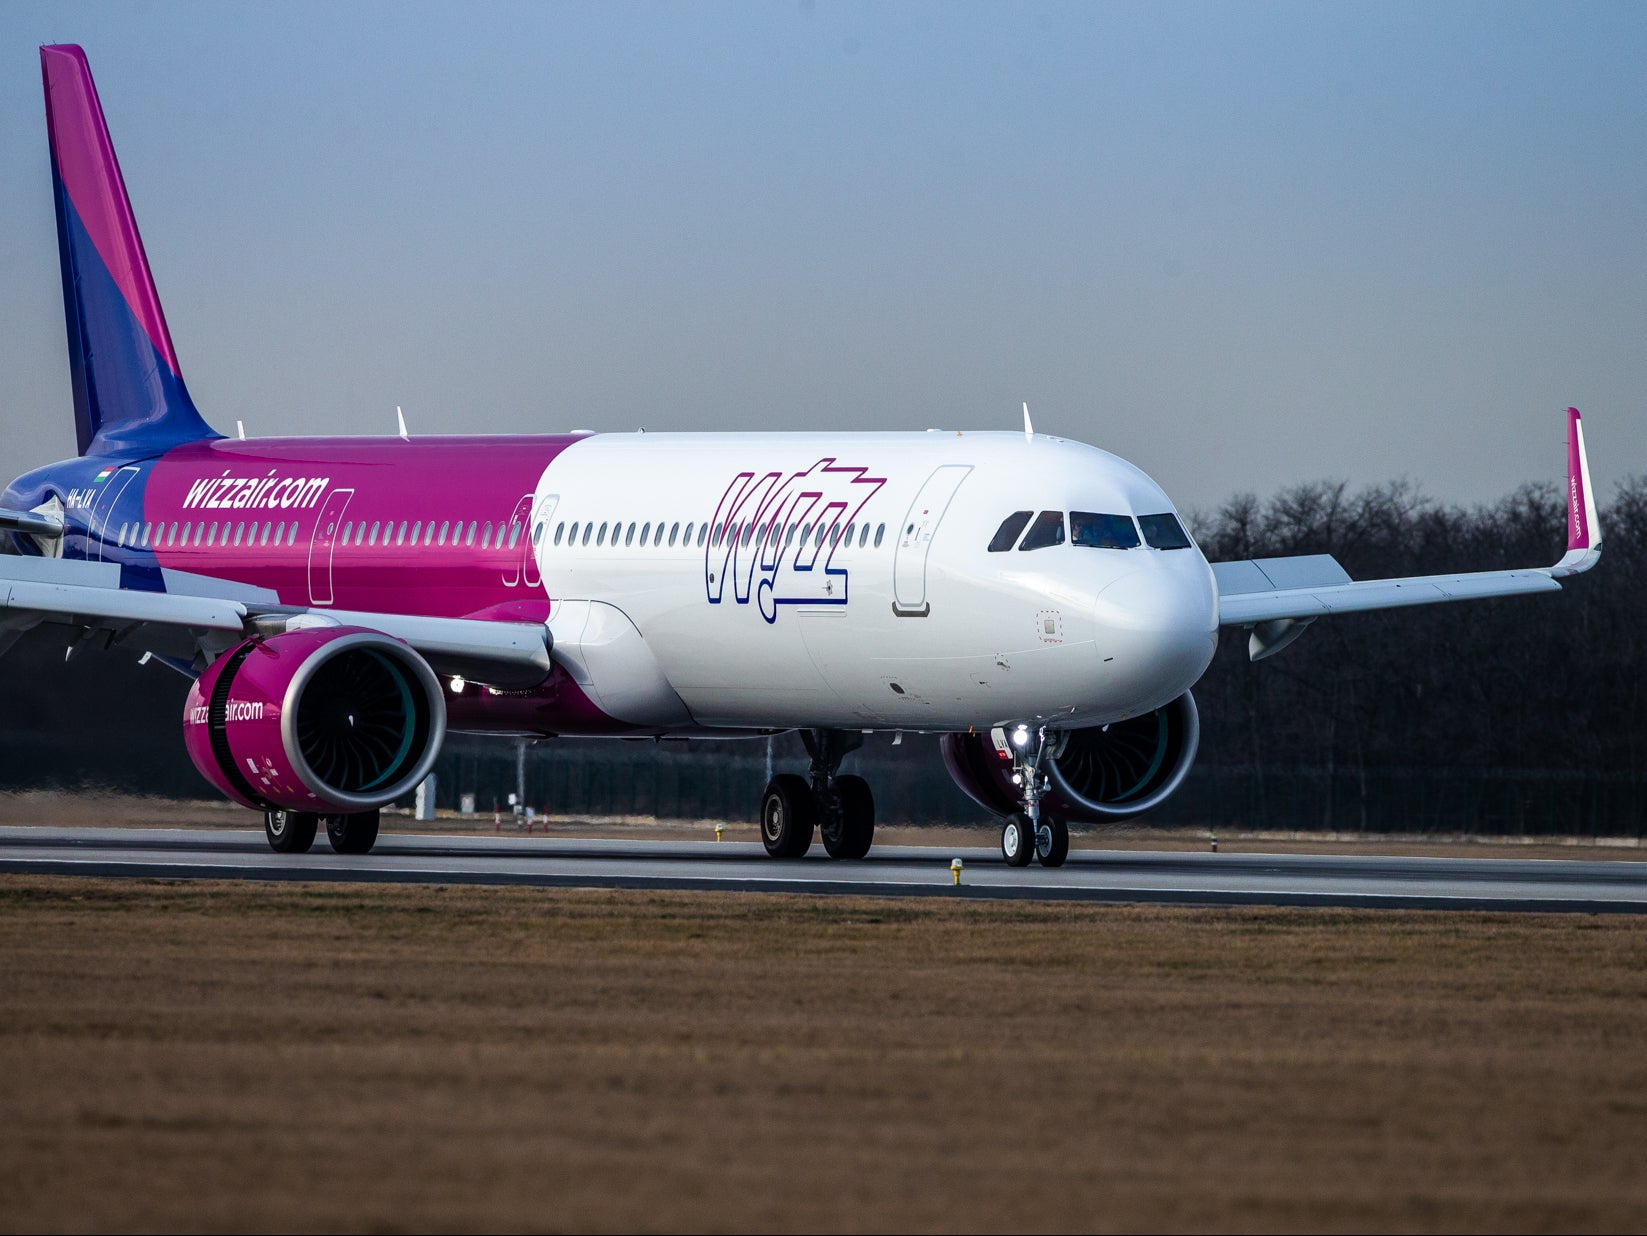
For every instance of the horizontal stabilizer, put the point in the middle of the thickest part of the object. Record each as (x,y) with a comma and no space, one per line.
(49,527)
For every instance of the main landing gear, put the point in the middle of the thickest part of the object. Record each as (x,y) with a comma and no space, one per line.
(1032,832)
(293,832)
(841,808)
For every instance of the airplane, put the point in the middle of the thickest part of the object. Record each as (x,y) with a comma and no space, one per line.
(340,604)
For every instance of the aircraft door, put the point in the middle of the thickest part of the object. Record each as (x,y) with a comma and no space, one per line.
(320,548)
(524,565)
(915,540)
(539,537)
(103,512)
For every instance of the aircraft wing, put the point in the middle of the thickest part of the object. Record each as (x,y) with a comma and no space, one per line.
(1276,598)
(197,617)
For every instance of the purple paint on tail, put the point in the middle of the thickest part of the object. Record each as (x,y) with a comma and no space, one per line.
(86,164)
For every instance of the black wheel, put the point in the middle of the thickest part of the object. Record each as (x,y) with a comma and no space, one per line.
(1052,841)
(290,832)
(352,834)
(852,831)
(788,814)
(1017,840)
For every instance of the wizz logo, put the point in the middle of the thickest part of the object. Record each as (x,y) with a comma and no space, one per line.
(775,536)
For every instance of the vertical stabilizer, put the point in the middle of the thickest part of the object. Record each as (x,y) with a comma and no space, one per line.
(129,396)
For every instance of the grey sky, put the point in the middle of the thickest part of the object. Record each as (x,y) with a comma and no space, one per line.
(1242,246)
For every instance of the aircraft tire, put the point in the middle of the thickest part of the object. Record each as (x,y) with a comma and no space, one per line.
(1052,842)
(290,832)
(1017,840)
(788,816)
(352,834)
(856,830)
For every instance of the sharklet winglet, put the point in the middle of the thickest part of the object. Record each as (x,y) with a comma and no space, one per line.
(1583,529)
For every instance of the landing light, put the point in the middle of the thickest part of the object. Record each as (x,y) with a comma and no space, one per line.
(457,684)
(1020,736)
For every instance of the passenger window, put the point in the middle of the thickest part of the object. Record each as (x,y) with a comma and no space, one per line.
(417,529)
(702,529)
(429,534)
(211,537)
(514,535)
(628,540)
(880,531)
(400,537)
(1163,532)
(748,531)
(674,533)
(265,538)
(559,529)
(470,539)
(588,531)
(1102,531)
(348,531)
(863,536)
(239,531)
(1048,529)
(646,533)
(537,534)
(1006,536)
(371,539)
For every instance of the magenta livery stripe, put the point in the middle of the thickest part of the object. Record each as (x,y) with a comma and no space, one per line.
(90,173)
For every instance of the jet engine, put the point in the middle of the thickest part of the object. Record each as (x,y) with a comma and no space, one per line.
(1103,774)
(328,720)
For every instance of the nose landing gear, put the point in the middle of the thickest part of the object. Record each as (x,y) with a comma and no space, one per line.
(1032,832)
(842,809)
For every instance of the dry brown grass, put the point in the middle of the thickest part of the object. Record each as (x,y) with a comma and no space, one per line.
(241,1056)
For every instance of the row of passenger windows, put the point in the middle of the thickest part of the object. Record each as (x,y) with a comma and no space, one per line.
(1090,529)
(164,535)
(378,532)
(736,532)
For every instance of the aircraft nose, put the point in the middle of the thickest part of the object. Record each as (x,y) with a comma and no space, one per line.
(1160,626)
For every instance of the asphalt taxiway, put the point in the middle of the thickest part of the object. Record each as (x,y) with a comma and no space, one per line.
(1162,877)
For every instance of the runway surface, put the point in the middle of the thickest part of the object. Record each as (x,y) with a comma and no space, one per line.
(1091,875)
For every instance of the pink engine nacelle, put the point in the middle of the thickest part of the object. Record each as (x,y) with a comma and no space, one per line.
(1100,775)
(327,719)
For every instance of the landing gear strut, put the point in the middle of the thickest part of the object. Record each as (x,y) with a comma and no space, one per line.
(1032,832)
(841,808)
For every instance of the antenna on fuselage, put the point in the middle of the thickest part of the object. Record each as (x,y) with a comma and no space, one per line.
(401,418)
(240,428)
(1029,430)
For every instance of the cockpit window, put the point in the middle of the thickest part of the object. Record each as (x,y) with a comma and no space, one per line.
(1102,531)
(1006,536)
(1048,529)
(1164,532)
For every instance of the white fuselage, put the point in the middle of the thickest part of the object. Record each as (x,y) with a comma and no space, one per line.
(846,580)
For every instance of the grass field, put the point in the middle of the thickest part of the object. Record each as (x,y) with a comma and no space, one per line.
(243,1056)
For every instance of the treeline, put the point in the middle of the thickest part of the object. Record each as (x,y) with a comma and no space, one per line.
(1506,715)
(1516,715)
